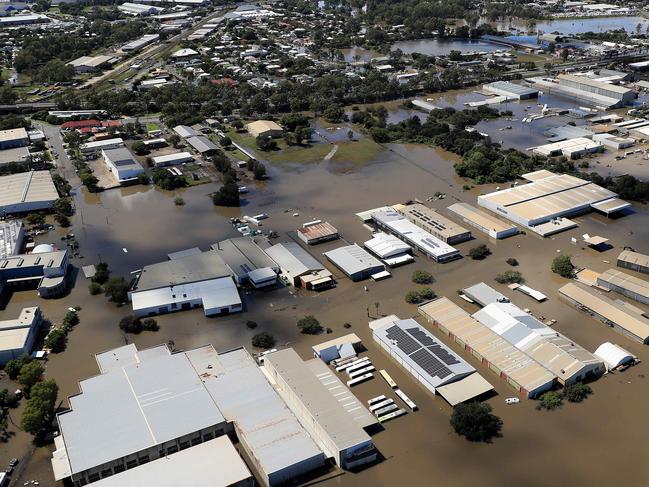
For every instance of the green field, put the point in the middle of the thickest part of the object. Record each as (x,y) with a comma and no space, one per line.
(152,127)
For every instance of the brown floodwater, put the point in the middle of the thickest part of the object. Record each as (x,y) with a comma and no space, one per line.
(601,441)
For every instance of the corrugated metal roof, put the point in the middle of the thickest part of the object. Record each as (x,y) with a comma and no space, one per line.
(353,259)
(293,258)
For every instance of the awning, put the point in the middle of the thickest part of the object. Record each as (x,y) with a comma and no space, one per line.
(465,389)
(595,241)
(611,205)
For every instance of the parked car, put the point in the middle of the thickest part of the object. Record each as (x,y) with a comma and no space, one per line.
(512,400)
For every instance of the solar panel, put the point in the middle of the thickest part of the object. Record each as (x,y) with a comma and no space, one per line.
(443,355)
(403,341)
(430,364)
(420,336)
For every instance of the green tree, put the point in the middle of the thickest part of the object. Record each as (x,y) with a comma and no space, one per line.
(550,400)
(576,392)
(102,273)
(30,374)
(480,252)
(421,276)
(309,325)
(116,289)
(56,340)
(259,171)
(35,219)
(140,148)
(509,277)
(475,421)
(70,320)
(225,141)
(263,340)
(130,324)
(12,368)
(62,220)
(563,266)
(63,206)
(418,296)
(94,288)
(227,195)
(291,121)
(39,412)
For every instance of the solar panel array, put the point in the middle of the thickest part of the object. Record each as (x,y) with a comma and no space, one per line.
(423,350)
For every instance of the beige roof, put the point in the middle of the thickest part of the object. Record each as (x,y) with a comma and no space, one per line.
(464,389)
(536,175)
(261,126)
(13,134)
(594,83)
(430,220)
(27,187)
(481,218)
(595,240)
(318,230)
(520,367)
(351,338)
(634,258)
(625,281)
(608,309)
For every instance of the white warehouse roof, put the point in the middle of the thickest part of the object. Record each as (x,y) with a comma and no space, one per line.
(613,355)
(386,246)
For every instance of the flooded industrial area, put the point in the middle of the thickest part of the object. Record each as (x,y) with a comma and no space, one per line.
(136,226)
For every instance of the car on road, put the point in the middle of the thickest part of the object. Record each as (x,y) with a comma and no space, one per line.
(512,400)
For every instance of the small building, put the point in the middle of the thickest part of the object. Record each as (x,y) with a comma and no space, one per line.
(45,269)
(91,64)
(140,43)
(265,128)
(12,138)
(434,223)
(202,145)
(625,284)
(571,148)
(27,191)
(199,280)
(317,231)
(122,164)
(99,145)
(184,54)
(341,347)
(172,159)
(185,131)
(17,335)
(12,234)
(300,267)
(355,262)
(483,221)
(335,419)
(613,355)
(623,318)
(155,143)
(247,261)
(511,90)
(387,247)
(635,261)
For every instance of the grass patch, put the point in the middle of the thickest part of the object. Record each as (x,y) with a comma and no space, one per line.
(357,152)
(150,126)
(239,155)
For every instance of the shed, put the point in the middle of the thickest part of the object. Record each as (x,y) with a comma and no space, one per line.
(613,355)
(355,262)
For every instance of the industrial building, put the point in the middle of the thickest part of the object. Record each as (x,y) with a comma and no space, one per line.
(17,335)
(568,361)
(172,159)
(543,204)
(122,164)
(520,371)
(247,262)
(483,221)
(98,145)
(299,267)
(415,236)
(511,90)
(185,131)
(635,261)
(438,368)
(12,234)
(317,231)
(625,284)
(389,248)
(434,223)
(334,418)
(202,145)
(264,128)
(571,148)
(586,91)
(341,347)
(12,138)
(623,318)
(613,355)
(140,43)
(138,10)
(213,463)
(625,95)
(355,262)
(198,280)
(92,64)
(45,269)
(27,191)
(276,443)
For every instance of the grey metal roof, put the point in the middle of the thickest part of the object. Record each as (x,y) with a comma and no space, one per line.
(121,158)
(352,259)
(27,187)
(10,233)
(264,423)
(293,258)
(202,144)
(184,270)
(483,294)
(242,255)
(513,88)
(319,403)
(184,253)
(185,131)
(134,407)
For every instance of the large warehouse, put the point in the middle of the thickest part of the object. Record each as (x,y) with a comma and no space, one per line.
(300,267)
(520,371)
(355,262)
(17,335)
(626,284)
(27,191)
(434,223)
(539,204)
(199,280)
(122,164)
(611,313)
(247,261)
(483,221)
(438,368)
(332,415)
(635,261)
(511,90)
(415,236)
